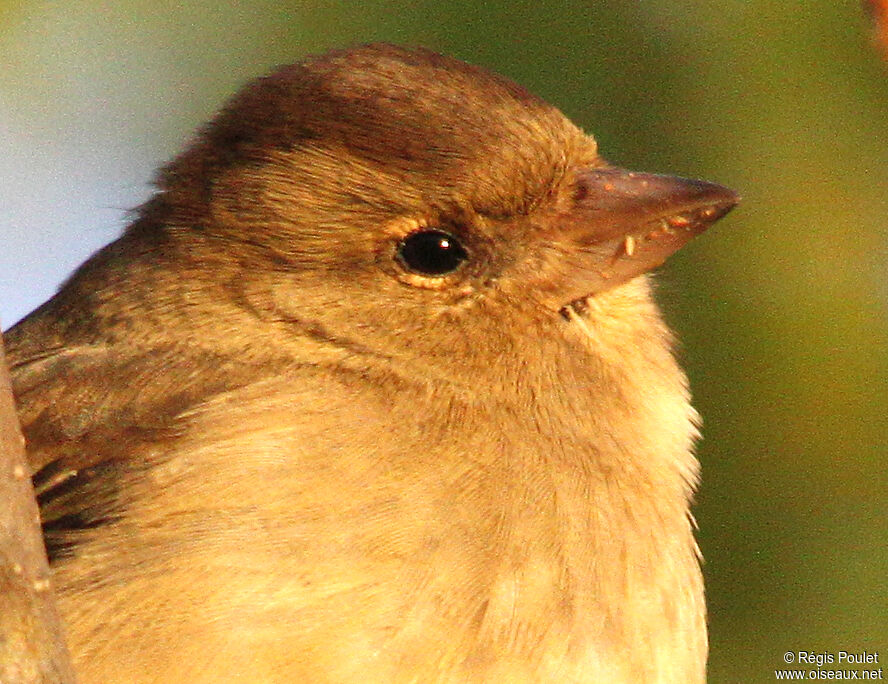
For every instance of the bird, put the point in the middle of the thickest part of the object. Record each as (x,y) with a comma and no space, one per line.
(374,388)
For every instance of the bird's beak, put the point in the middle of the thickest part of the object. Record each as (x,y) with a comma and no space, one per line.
(622,224)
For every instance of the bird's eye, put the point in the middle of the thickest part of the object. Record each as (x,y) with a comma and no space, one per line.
(431,252)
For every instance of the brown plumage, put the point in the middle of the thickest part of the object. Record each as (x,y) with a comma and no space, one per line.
(374,390)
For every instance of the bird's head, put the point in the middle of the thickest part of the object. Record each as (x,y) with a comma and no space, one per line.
(421,208)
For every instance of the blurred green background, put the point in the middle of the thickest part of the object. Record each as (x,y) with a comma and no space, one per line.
(782,309)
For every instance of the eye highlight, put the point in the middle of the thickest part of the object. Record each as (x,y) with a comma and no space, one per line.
(431,252)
